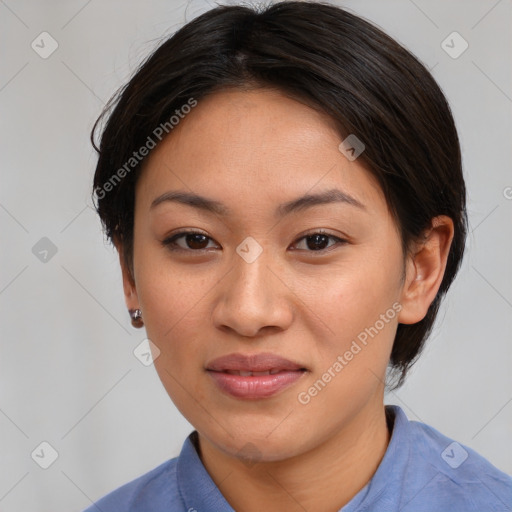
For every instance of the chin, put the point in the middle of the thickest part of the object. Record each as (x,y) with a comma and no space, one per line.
(259,445)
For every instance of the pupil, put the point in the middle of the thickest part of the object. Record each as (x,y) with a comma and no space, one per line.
(192,241)
(317,239)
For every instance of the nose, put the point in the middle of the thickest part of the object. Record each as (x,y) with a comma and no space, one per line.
(252,299)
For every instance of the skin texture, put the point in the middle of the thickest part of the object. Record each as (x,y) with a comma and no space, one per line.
(253,150)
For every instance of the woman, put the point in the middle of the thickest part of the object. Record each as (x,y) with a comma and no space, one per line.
(285,192)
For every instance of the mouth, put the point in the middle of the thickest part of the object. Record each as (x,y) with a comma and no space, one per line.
(255,376)
(243,373)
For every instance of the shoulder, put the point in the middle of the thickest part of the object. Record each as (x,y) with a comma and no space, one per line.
(456,476)
(154,491)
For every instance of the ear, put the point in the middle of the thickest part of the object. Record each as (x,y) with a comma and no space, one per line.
(425,268)
(130,291)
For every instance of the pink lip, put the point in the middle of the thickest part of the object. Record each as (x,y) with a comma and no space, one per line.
(254,386)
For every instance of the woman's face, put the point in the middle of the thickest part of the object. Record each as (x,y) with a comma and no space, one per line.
(256,283)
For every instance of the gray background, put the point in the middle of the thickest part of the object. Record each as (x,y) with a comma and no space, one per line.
(68,374)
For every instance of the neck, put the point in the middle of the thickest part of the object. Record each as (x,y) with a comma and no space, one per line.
(325,478)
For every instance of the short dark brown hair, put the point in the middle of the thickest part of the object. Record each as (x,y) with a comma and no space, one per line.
(328,58)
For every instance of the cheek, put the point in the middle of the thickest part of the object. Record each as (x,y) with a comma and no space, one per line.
(170,294)
(361,288)
(352,360)
(174,315)
(360,311)
(175,322)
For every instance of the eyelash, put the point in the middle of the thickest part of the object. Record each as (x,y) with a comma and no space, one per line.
(170,243)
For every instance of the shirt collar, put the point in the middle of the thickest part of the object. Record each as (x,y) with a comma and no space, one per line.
(199,491)
(196,487)
(387,481)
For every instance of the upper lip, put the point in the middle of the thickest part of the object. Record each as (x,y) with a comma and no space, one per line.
(252,363)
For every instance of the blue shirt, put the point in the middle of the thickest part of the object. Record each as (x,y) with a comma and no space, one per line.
(421,471)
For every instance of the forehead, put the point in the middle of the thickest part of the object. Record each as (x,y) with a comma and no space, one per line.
(259,145)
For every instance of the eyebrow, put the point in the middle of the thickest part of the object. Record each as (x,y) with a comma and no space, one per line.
(301,203)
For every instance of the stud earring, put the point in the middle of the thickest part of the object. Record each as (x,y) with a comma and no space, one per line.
(136,316)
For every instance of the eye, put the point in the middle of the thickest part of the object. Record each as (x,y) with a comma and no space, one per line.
(318,241)
(193,240)
(196,241)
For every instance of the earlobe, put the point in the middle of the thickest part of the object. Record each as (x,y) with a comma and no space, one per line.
(425,270)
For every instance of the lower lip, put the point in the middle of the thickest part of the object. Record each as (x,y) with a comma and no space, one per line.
(255,387)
